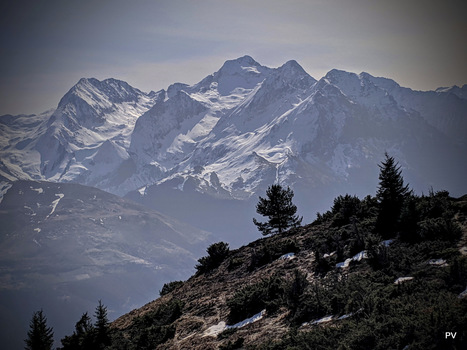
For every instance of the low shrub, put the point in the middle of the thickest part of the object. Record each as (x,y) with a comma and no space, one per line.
(267,294)
(169,287)
(156,327)
(269,252)
(217,253)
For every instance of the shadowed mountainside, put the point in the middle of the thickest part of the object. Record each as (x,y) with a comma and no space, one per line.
(65,246)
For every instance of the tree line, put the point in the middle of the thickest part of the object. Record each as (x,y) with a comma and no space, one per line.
(85,336)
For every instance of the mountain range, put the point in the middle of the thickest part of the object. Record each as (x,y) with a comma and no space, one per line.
(199,154)
(237,131)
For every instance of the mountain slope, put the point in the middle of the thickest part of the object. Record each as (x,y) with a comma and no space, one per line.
(18,160)
(297,289)
(65,246)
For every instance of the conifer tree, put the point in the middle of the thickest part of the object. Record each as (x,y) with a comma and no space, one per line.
(280,210)
(82,337)
(391,195)
(102,326)
(40,337)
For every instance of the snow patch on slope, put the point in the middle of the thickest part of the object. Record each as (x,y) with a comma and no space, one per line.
(213,331)
(249,320)
(55,203)
(4,187)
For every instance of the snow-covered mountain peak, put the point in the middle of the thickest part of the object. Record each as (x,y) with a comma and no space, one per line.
(173,89)
(90,113)
(101,94)
(337,75)
(241,73)
(290,74)
(92,103)
(244,63)
(292,67)
(350,83)
(364,89)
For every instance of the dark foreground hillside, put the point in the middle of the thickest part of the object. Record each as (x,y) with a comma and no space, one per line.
(339,283)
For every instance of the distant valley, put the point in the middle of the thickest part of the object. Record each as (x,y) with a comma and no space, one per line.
(63,247)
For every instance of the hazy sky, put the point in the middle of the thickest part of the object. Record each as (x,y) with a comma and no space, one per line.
(48,45)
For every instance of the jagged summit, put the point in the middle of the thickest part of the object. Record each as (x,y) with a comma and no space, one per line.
(90,113)
(344,80)
(236,64)
(241,73)
(245,66)
(93,92)
(293,67)
(293,75)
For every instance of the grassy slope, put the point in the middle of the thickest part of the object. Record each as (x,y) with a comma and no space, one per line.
(385,315)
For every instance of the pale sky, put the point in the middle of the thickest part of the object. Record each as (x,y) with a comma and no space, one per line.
(48,45)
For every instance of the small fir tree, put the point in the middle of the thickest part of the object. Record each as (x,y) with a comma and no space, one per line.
(280,210)
(40,337)
(101,327)
(391,195)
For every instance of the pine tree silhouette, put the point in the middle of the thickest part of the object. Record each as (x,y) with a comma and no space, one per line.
(40,337)
(280,210)
(102,326)
(391,195)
